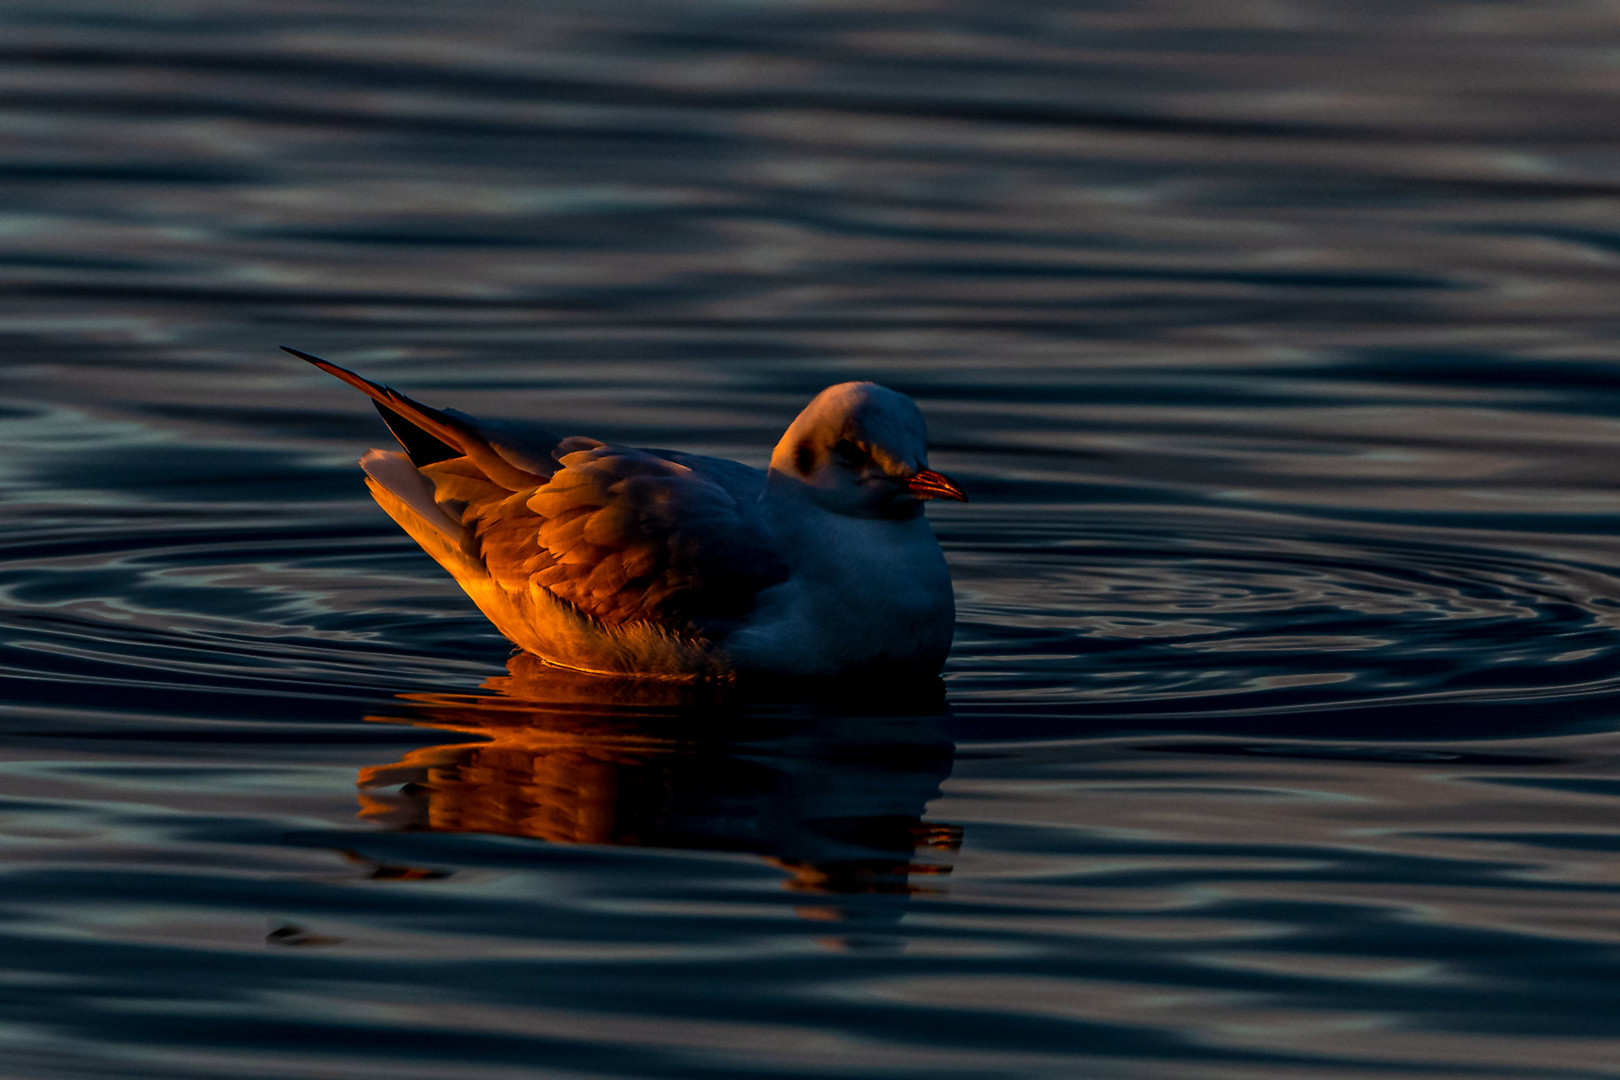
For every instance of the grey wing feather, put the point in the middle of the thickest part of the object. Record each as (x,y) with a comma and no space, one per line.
(623,535)
(526,446)
(635,536)
(745,484)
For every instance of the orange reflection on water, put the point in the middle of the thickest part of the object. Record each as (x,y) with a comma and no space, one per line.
(836,799)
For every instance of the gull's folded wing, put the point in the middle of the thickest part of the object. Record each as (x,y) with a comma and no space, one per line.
(620,535)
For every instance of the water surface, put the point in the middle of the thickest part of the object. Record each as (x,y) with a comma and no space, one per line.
(1272,341)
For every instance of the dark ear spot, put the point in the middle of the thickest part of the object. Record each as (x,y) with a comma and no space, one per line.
(804,458)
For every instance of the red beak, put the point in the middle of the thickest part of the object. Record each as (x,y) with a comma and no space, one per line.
(929,484)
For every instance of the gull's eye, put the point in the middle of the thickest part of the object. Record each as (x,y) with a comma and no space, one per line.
(851,453)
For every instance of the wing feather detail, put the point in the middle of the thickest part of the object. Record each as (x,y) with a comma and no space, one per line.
(619,534)
(645,553)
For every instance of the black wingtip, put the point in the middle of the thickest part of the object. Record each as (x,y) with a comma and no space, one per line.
(301,355)
(359,382)
(421,444)
(331,369)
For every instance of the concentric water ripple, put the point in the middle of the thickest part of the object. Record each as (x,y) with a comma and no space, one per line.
(1224,622)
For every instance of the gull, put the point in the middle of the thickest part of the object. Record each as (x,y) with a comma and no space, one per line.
(623,561)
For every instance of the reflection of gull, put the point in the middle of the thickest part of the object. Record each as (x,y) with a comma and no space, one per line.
(838,804)
(652,562)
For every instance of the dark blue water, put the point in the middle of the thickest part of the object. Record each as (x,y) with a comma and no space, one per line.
(1275,343)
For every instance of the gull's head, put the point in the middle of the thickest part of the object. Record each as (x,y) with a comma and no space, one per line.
(861,449)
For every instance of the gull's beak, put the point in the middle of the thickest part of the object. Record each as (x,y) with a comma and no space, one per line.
(928,484)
